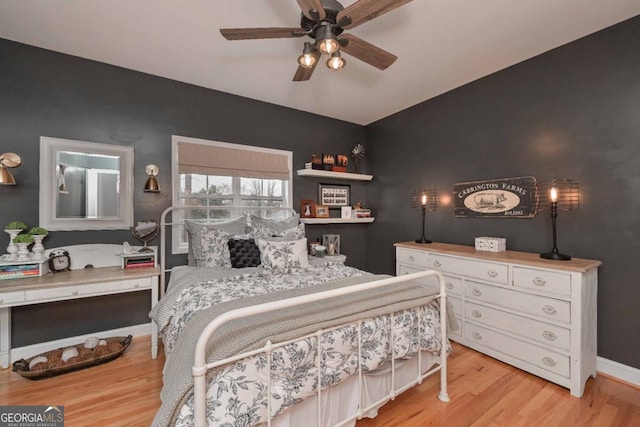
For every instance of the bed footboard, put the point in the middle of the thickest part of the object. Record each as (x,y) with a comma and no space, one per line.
(200,366)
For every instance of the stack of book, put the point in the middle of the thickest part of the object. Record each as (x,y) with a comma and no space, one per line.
(20,270)
(140,261)
(362,213)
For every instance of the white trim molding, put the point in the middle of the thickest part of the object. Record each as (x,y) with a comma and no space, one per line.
(617,370)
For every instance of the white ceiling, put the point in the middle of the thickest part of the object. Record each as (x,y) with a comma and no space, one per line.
(441,44)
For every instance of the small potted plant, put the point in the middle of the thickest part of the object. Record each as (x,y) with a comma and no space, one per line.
(38,234)
(13,229)
(23,241)
(358,154)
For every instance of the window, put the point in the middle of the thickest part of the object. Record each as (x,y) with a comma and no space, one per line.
(211,173)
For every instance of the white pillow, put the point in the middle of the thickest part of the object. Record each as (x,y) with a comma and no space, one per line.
(283,255)
(290,229)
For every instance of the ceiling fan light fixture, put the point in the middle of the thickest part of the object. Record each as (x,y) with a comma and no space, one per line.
(336,62)
(326,41)
(308,58)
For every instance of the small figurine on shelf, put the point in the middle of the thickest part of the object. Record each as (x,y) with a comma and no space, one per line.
(13,229)
(358,154)
(38,234)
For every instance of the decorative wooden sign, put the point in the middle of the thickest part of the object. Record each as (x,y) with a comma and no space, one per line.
(497,198)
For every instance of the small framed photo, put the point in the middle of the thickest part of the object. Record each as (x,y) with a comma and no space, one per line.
(345,212)
(334,195)
(307,208)
(342,160)
(328,159)
(322,211)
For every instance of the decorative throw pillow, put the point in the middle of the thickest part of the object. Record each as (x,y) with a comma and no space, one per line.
(294,233)
(212,249)
(194,228)
(261,227)
(244,253)
(283,254)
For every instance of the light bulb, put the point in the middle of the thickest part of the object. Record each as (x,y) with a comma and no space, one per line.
(336,62)
(328,46)
(306,60)
(554,194)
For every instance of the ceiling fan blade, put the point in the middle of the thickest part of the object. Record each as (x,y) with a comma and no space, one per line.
(261,33)
(366,52)
(365,10)
(309,6)
(303,73)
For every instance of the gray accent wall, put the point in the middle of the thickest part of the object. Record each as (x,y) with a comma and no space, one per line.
(573,112)
(44,93)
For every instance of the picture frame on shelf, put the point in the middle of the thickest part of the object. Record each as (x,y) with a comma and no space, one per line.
(334,195)
(321,211)
(307,208)
(346,212)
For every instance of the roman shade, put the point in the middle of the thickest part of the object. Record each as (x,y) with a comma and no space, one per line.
(211,160)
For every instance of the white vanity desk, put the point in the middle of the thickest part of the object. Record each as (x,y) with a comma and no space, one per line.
(69,285)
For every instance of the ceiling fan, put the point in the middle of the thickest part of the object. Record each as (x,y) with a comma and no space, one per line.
(325,22)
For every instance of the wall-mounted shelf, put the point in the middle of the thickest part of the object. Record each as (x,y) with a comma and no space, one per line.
(334,175)
(336,220)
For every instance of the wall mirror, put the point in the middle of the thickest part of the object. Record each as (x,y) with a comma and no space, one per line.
(85,185)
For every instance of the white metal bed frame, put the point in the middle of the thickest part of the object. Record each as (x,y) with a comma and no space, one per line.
(201,367)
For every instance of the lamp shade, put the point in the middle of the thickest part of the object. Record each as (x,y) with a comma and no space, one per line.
(152,186)
(424,197)
(567,194)
(5,176)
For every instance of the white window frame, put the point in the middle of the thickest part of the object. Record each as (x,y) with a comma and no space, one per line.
(178,247)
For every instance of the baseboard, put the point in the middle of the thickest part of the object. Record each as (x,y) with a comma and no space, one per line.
(31,350)
(618,370)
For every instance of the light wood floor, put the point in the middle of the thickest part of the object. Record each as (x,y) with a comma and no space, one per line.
(483,391)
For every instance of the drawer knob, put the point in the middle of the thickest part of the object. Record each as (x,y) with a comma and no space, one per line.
(449,285)
(477,292)
(492,273)
(549,361)
(539,281)
(476,314)
(549,310)
(412,258)
(437,263)
(476,335)
(74,293)
(549,336)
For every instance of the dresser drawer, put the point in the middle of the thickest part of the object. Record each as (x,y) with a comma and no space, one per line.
(538,356)
(414,258)
(545,333)
(542,280)
(11,297)
(547,308)
(67,292)
(453,285)
(483,270)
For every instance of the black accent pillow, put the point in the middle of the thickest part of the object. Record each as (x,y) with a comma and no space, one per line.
(244,253)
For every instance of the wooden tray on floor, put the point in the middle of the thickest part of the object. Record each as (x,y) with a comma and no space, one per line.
(22,366)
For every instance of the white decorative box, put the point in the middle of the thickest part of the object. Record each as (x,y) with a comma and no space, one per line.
(491,244)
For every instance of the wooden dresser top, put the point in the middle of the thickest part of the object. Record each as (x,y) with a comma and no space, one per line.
(575,264)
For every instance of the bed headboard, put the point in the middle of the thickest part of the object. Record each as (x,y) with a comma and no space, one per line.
(172,220)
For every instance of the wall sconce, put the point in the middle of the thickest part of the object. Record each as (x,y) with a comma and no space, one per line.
(152,186)
(8,160)
(564,195)
(425,200)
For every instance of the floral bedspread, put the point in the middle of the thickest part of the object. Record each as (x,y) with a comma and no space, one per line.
(237,393)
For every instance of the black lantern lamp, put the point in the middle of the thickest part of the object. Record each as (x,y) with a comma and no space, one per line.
(425,200)
(563,195)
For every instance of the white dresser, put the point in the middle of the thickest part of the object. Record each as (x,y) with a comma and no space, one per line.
(535,314)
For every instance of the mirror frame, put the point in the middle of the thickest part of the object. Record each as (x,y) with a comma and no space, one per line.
(49,148)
